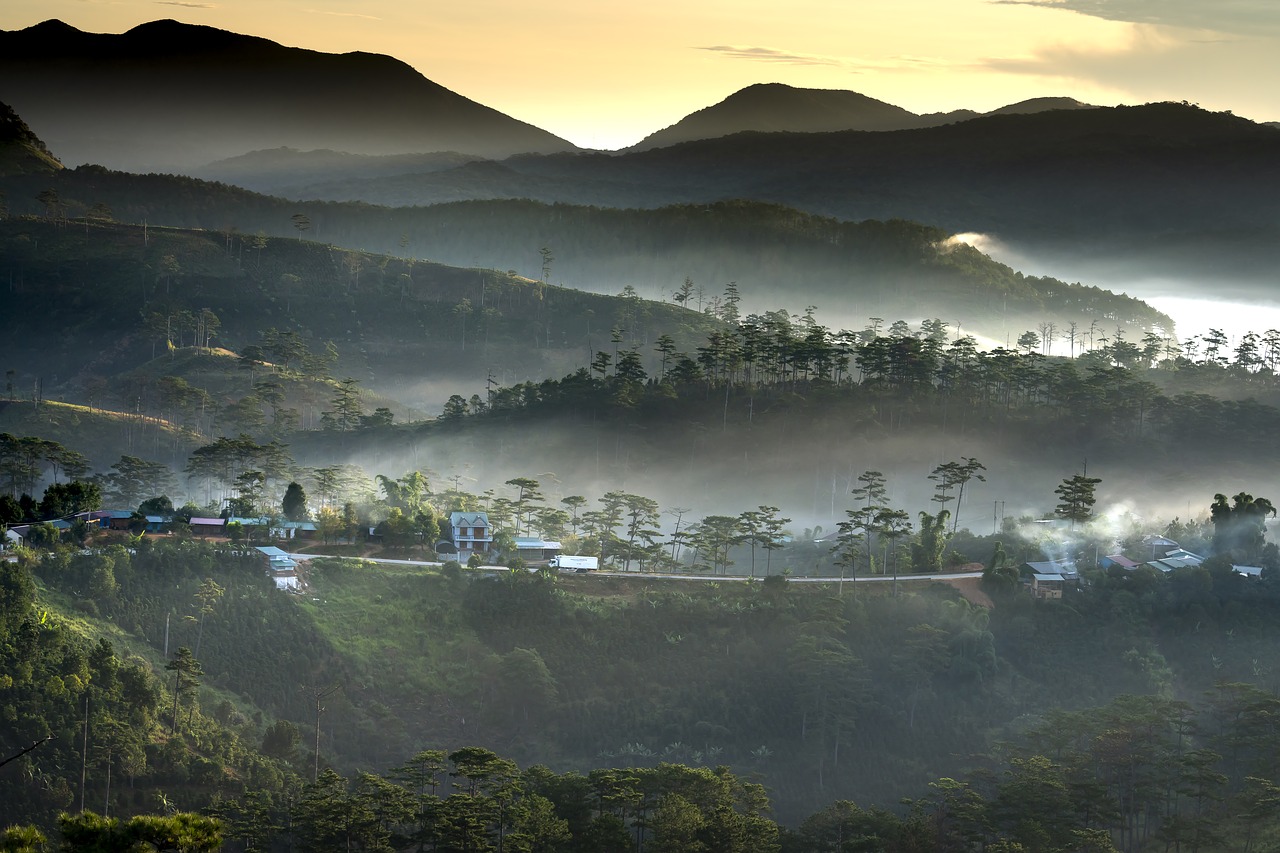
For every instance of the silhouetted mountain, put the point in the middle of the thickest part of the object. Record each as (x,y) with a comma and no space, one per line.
(775,107)
(1040,105)
(172,96)
(21,151)
(1169,185)
(1159,167)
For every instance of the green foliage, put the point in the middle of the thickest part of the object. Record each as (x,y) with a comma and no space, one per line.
(1239,528)
(294,503)
(1076,498)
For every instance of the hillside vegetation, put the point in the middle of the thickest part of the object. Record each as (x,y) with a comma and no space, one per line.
(820,697)
(91,301)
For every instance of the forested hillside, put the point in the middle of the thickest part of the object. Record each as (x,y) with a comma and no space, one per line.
(90,301)
(850,271)
(821,697)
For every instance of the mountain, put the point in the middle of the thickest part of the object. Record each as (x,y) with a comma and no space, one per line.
(1112,194)
(167,96)
(775,107)
(777,257)
(1107,172)
(21,151)
(1040,105)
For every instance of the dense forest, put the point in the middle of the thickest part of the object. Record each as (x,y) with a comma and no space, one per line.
(822,697)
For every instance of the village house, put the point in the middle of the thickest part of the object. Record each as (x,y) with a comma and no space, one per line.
(207,526)
(281,568)
(1046,579)
(472,533)
(1176,559)
(533,549)
(1118,560)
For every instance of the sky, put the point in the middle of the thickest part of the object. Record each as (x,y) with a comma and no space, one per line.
(604,74)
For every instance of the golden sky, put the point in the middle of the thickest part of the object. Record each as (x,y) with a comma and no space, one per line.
(604,74)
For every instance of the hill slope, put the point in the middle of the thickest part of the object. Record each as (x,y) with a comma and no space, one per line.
(21,151)
(166,96)
(282,171)
(92,301)
(779,257)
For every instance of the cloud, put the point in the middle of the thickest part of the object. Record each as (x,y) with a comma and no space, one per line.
(768,54)
(1156,64)
(1239,17)
(343,14)
(186,5)
(855,65)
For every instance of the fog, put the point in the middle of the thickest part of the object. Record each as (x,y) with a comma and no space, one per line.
(1242,302)
(805,468)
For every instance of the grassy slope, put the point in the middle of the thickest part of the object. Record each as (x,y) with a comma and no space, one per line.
(101,435)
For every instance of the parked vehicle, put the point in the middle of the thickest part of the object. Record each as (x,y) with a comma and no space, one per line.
(564,562)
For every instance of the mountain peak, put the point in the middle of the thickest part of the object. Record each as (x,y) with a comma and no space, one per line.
(777,107)
(1040,105)
(773,107)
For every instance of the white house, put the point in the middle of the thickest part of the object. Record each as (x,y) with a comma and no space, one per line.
(472,533)
(281,567)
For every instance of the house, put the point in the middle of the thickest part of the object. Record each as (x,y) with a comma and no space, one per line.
(281,568)
(157,523)
(1119,560)
(1046,579)
(1248,571)
(1047,586)
(294,530)
(1066,568)
(101,518)
(533,549)
(1177,559)
(207,526)
(471,533)
(1160,545)
(12,537)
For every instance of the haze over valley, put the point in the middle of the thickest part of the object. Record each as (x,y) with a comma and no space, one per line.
(874,453)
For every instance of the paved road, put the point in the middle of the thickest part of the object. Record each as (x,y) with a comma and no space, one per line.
(674,576)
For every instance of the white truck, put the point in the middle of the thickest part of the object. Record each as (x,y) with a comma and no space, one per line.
(564,562)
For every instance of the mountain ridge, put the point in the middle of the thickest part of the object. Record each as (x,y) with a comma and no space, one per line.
(167,96)
(777,107)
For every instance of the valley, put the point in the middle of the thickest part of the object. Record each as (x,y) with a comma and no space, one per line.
(917,466)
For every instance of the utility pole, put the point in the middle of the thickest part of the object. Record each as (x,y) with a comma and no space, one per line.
(319,694)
